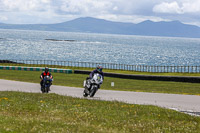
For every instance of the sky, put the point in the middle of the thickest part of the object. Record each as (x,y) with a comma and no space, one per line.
(133,11)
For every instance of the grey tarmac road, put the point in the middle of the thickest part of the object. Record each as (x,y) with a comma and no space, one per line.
(184,103)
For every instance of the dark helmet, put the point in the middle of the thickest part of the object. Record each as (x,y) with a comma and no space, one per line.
(46,69)
(99,68)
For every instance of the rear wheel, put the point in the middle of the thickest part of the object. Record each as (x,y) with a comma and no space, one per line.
(85,93)
(93,91)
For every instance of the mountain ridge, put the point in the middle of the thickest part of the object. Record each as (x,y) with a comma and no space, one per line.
(94,25)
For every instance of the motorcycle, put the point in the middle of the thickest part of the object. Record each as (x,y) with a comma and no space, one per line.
(92,85)
(46,84)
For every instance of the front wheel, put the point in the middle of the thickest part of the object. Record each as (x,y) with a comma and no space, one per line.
(85,95)
(47,89)
(43,89)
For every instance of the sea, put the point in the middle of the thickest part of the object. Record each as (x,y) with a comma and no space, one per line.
(99,48)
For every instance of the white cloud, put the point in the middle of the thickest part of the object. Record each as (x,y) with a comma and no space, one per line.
(45,1)
(186,11)
(191,7)
(53,11)
(181,7)
(85,7)
(3,18)
(23,5)
(165,7)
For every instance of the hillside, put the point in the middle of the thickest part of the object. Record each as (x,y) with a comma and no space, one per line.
(93,25)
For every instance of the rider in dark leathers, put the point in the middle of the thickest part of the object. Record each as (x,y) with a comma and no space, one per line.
(43,74)
(97,70)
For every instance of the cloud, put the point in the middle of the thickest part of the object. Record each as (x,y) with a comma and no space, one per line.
(175,7)
(54,11)
(186,11)
(165,7)
(86,7)
(191,7)
(30,11)
(22,5)
(3,18)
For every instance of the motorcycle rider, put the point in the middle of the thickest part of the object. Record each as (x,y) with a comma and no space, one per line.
(45,73)
(97,70)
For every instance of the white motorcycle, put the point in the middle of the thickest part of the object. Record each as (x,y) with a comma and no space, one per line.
(92,85)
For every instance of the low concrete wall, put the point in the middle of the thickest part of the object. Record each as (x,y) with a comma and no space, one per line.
(56,70)
(148,77)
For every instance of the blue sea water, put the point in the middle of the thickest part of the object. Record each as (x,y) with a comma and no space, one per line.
(100,48)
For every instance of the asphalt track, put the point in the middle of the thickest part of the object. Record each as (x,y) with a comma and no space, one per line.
(184,103)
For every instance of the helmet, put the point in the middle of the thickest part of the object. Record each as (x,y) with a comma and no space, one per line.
(99,68)
(46,69)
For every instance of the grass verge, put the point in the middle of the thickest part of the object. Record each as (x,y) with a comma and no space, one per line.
(34,112)
(76,80)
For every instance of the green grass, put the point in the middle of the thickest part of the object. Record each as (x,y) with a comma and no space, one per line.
(76,80)
(36,112)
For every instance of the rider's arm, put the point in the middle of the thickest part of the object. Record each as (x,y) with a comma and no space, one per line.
(51,76)
(92,73)
(41,76)
(102,75)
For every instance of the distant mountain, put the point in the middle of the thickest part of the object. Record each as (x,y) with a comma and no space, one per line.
(93,25)
(173,29)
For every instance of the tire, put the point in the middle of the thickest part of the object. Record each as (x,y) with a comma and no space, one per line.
(43,90)
(47,89)
(93,91)
(85,93)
